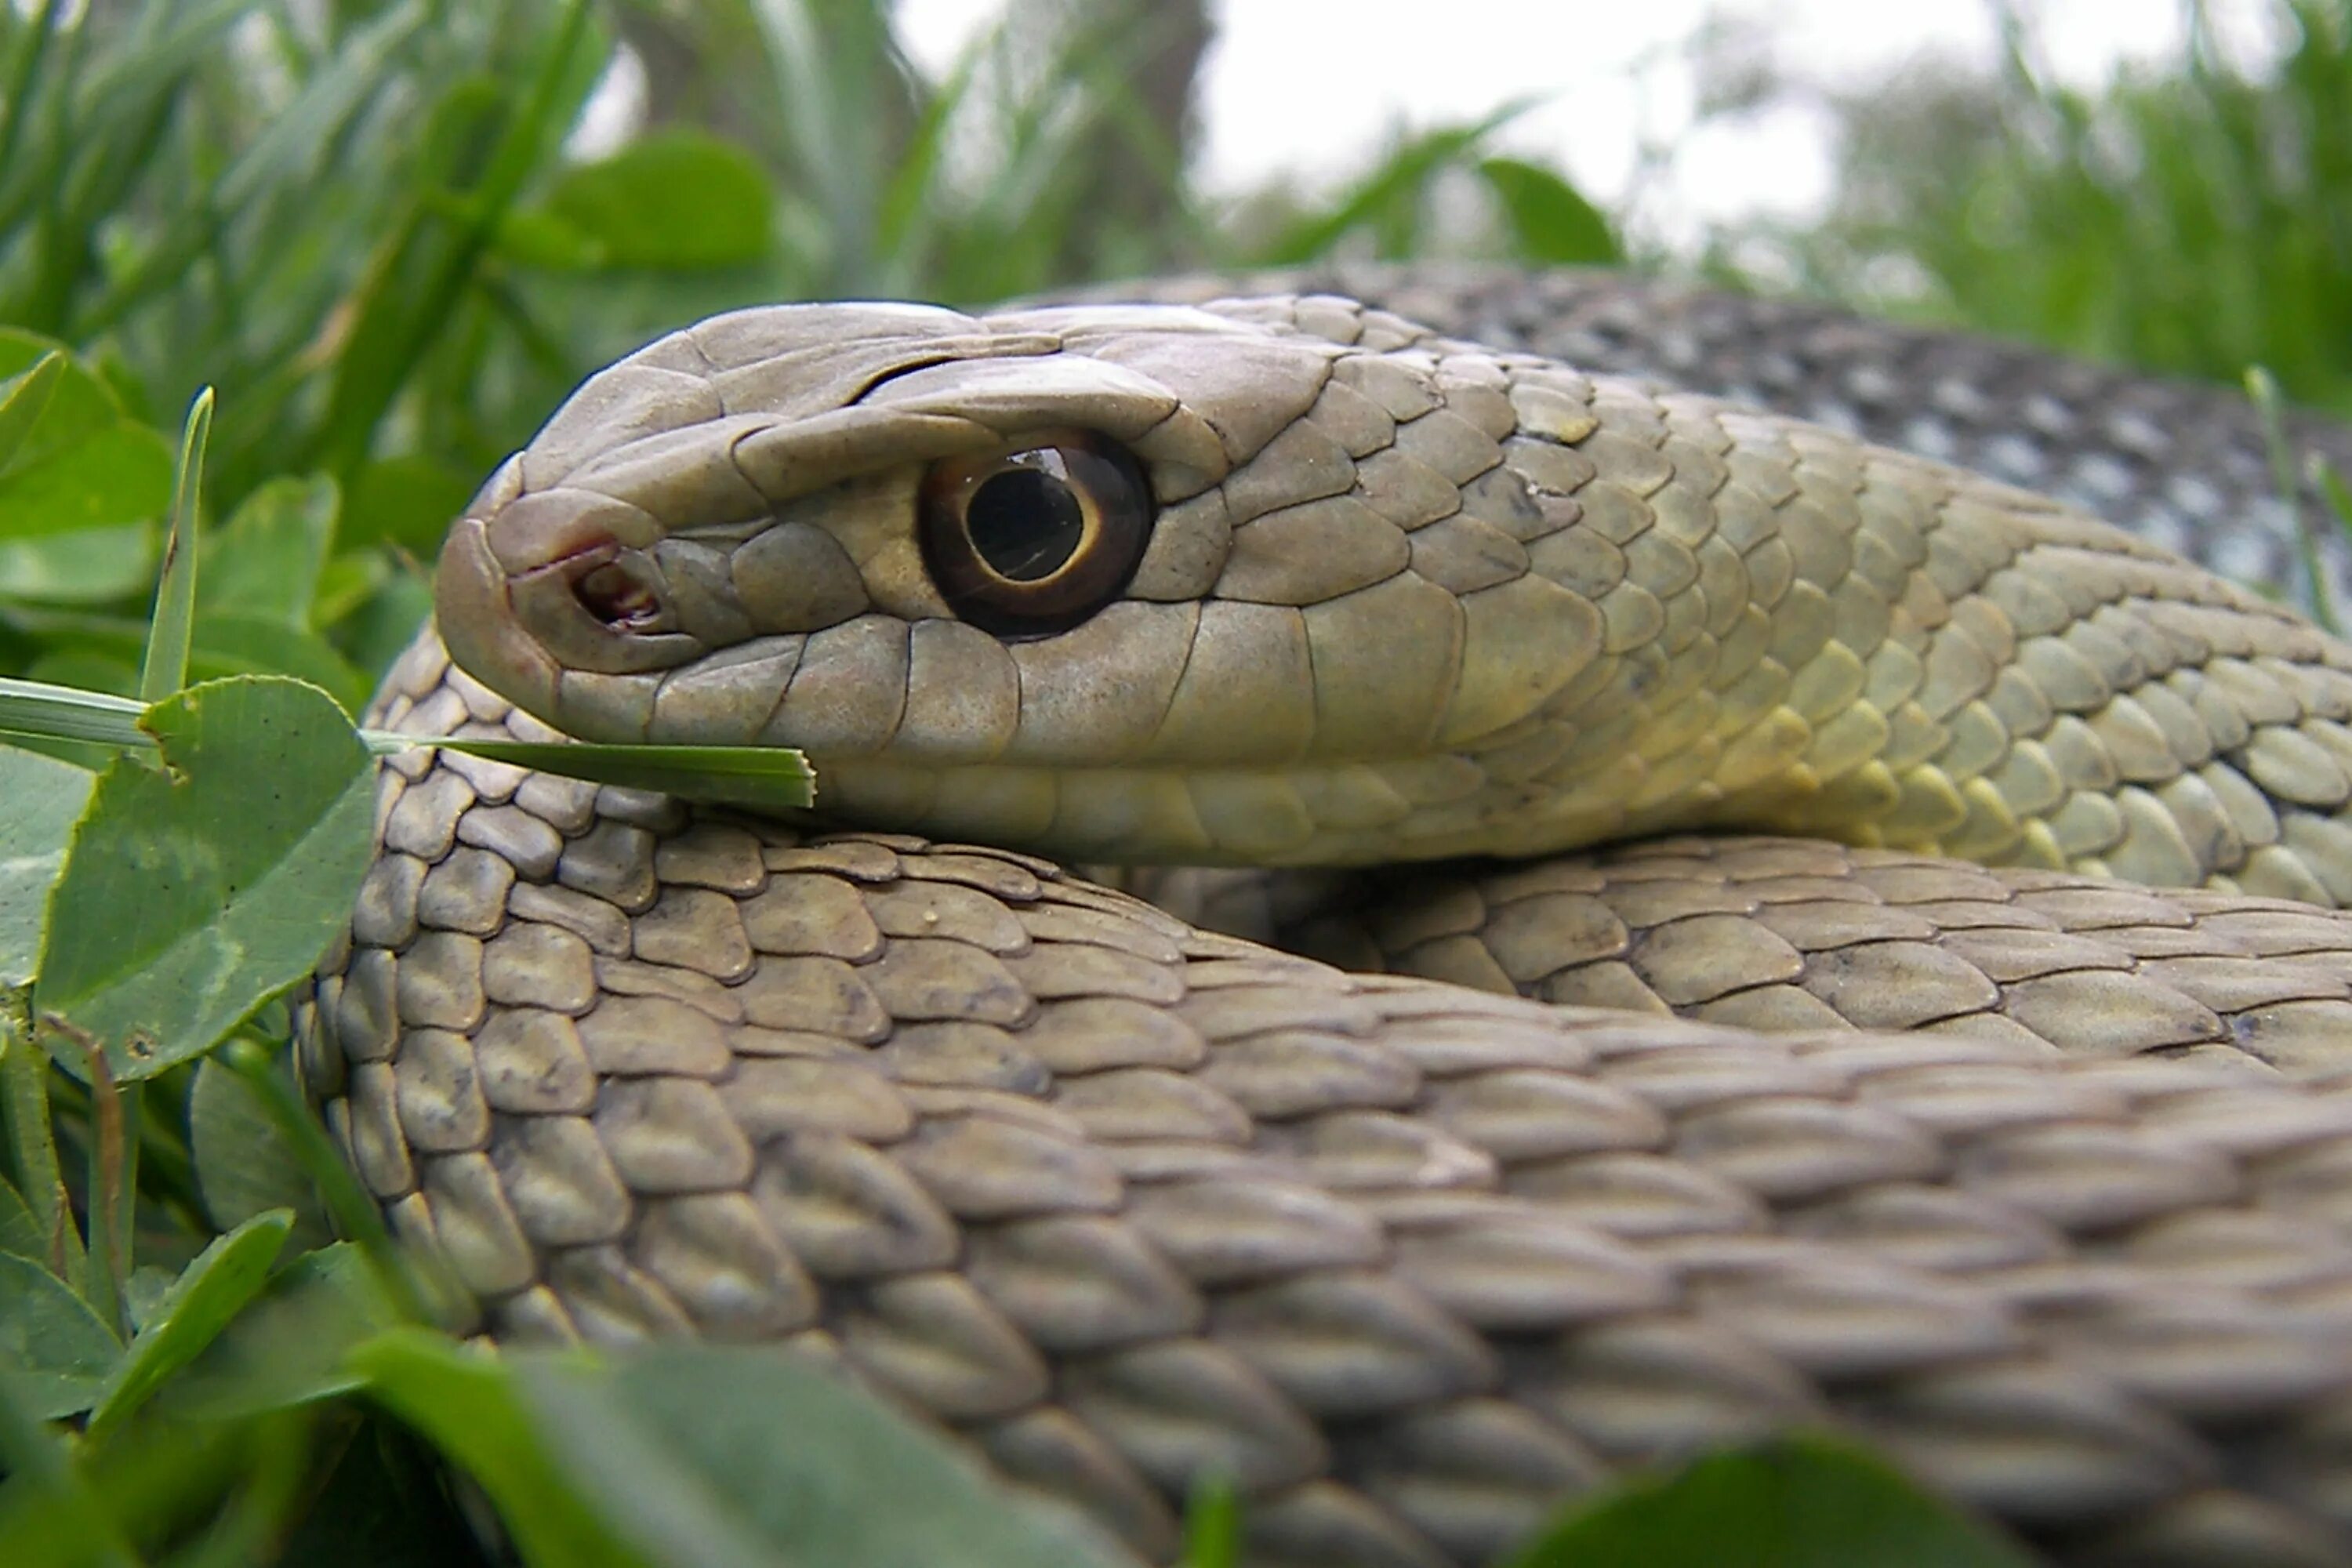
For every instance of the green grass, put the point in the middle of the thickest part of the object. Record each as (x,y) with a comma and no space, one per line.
(358,223)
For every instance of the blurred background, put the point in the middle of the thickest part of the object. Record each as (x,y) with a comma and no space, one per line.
(394,234)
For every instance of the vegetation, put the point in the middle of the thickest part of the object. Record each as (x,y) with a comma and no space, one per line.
(381,230)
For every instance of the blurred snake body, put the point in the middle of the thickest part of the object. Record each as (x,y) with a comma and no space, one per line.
(1988,1109)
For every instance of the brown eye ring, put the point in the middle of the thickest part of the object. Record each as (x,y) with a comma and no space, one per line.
(1036,535)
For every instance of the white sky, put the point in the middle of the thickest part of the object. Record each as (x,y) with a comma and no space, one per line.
(1312,87)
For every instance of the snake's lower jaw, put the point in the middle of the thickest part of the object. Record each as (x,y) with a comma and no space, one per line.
(1337,814)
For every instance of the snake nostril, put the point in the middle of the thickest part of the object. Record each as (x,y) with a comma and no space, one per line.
(618,597)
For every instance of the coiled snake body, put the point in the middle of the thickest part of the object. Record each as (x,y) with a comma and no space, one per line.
(1291,581)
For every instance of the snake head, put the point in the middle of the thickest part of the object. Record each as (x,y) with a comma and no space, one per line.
(1159,583)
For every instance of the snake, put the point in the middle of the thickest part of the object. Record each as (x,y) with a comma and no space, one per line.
(1777,931)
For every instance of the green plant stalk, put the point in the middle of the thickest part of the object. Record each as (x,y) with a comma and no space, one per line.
(32,1141)
(111,1180)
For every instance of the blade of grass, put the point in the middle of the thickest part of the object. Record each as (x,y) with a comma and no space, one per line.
(2263,388)
(352,1208)
(394,325)
(772,776)
(165,668)
(26,72)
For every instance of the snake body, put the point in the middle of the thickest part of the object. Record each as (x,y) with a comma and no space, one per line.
(1124,1201)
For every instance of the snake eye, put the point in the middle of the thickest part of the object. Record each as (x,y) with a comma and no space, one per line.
(1035,537)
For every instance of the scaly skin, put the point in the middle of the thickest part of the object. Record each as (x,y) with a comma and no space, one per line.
(1125,1202)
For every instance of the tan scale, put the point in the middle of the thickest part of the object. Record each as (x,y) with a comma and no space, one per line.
(1124,1202)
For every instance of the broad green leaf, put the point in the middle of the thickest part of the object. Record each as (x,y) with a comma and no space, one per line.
(737,1457)
(209,1292)
(45,796)
(288,1347)
(79,401)
(265,561)
(87,567)
(195,893)
(1802,1501)
(23,398)
(58,1350)
(675,199)
(1550,218)
(466,1401)
(117,474)
(228,643)
(244,1164)
(164,668)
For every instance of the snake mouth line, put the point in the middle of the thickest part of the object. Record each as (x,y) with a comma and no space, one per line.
(1328,814)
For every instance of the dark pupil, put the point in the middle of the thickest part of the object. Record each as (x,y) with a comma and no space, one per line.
(1025,523)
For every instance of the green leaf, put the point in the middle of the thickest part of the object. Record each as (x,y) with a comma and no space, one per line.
(235,644)
(675,199)
(1802,1501)
(718,1456)
(289,1346)
(165,668)
(266,560)
(74,460)
(467,1402)
(20,1232)
(1550,218)
(23,398)
(244,1164)
(117,474)
(45,796)
(709,1456)
(209,1292)
(58,1350)
(191,895)
(87,567)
